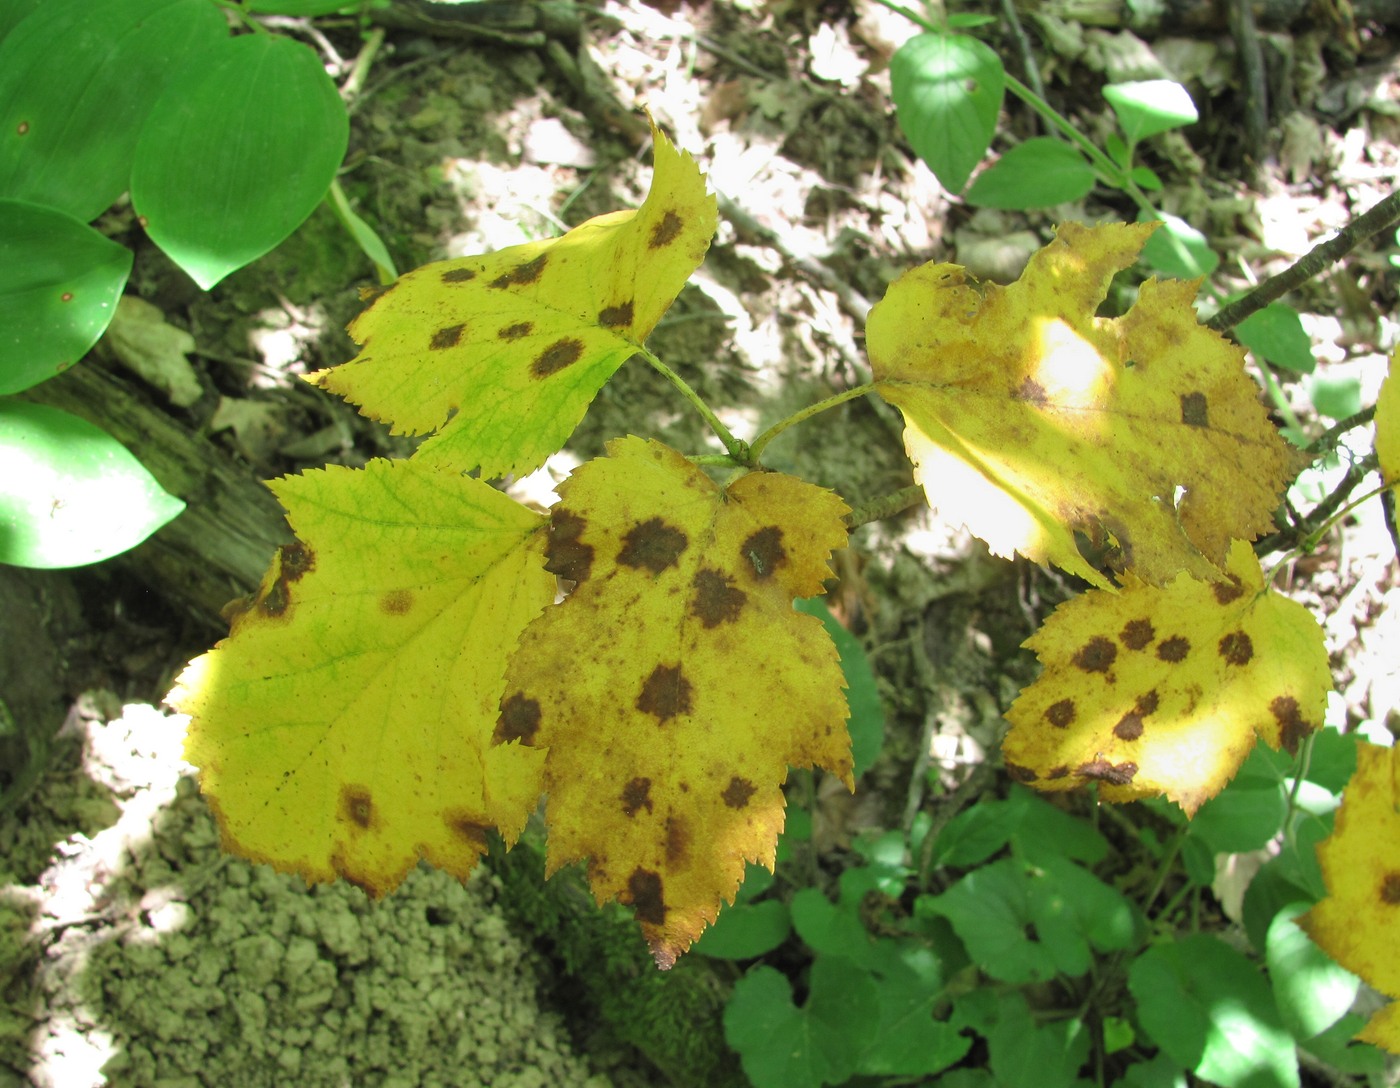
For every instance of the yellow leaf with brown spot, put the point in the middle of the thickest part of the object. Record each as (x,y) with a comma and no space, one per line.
(1028,418)
(1164,690)
(676,683)
(1388,423)
(344,727)
(501,354)
(1358,924)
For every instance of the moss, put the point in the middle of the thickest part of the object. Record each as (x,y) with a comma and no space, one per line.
(606,981)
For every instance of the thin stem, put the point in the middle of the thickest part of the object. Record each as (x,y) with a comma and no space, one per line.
(885,506)
(737,450)
(359,71)
(1280,399)
(913,16)
(1304,762)
(778,428)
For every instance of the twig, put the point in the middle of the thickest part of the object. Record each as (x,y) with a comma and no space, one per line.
(1023,46)
(1256,90)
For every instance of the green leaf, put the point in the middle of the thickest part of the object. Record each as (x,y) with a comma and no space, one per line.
(59,285)
(1179,250)
(782,1046)
(1245,815)
(1149,107)
(909,1042)
(947,91)
(1276,333)
(1336,397)
(1209,1008)
(77,81)
(237,154)
(1160,1072)
(1313,992)
(1146,178)
(365,236)
(301,7)
(745,930)
(14,12)
(1025,1054)
(71,493)
(1338,1047)
(867,721)
(1035,174)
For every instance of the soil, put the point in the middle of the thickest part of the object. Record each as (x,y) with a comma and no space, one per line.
(134,952)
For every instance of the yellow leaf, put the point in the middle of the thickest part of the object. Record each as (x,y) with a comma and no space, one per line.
(676,683)
(1358,924)
(344,726)
(1388,422)
(501,354)
(1156,690)
(1029,418)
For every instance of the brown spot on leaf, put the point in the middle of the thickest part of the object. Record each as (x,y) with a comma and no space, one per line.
(1020,774)
(644,892)
(566,556)
(1061,714)
(1032,391)
(1129,726)
(717,600)
(1101,770)
(652,544)
(1174,649)
(520,717)
(664,233)
(22,129)
(665,693)
(1137,634)
(297,559)
(516,331)
(275,601)
(1224,593)
(1390,889)
(459,275)
(1237,648)
(448,337)
(397,602)
(1147,703)
(616,317)
(636,795)
(1096,655)
(522,274)
(738,792)
(1055,773)
(67,296)
(1193,410)
(356,805)
(677,842)
(563,352)
(763,550)
(467,828)
(1292,726)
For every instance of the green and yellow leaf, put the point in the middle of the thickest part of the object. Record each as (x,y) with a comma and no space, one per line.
(1164,690)
(676,683)
(1388,422)
(501,354)
(1358,924)
(1028,418)
(344,727)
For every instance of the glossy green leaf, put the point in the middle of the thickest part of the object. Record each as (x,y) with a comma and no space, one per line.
(13,12)
(77,82)
(1312,990)
(234,159)
(745,930)
(59,285)
(1038,173)
(1248,813)
(866,723)
(947,91)
(1179,250)
(1149,107)
(1276,332)
(71,493)
(1211,1010)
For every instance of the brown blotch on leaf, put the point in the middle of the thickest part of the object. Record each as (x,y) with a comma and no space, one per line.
(738,792)
(1129,726)
(652,544)
(644,892)
(459,275)
(664,233)
(636,795)
(1174,649)
(1147,702)
(1061,715)
(275,601)
(560,354)
(520,717)
(1137,634)
(665,693)
(1237,648)
(763,550)
(717,600)
(1225,593)
(677,842)
(566,556)
(516,331)
(1055,773)
(1096,655)
(397,602)
(1032,391)
(1019,773)
(1292,726)
(616,317)
(469,830)
(449,337)
(356,806)
(1101,770)
(297,559)
(1193,410)
(1390,889)
(522,274)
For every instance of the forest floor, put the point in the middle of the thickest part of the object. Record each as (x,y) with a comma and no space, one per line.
(133,952)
